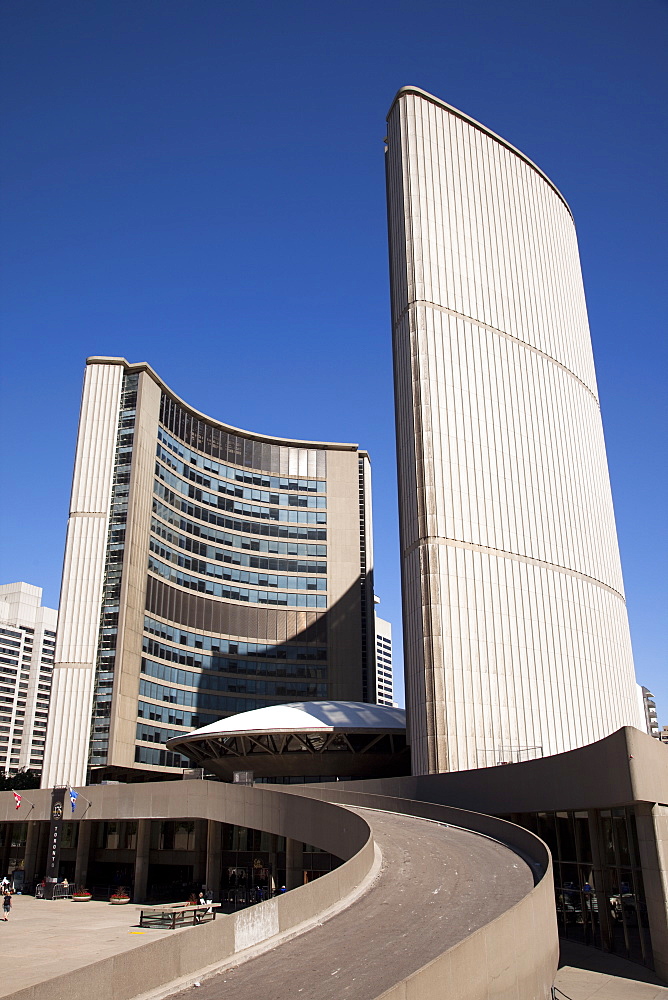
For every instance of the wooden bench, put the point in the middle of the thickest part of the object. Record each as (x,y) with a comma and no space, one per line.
(173,913)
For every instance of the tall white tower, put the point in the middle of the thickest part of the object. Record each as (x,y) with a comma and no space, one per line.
(516,633)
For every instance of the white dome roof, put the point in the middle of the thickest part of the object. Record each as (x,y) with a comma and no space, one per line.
(308,717)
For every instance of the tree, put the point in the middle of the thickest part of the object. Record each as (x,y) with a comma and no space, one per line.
(25,778)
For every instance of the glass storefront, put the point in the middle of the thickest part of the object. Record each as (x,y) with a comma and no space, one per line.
(598,882)
(254,865)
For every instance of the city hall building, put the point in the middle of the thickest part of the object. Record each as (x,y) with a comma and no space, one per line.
(208,571)
(516,634)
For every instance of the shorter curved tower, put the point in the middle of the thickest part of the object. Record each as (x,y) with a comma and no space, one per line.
(208,571)
(516,634)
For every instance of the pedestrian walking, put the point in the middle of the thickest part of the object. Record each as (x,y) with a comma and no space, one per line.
(6,906)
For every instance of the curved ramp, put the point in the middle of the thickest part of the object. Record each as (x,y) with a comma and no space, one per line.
(462,899)
(437,885)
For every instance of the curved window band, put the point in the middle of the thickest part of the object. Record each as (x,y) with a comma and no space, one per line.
(198,530)
(220,703)
(236,558)
(191,474)
(250,527)
(175,716)
(250,509)
(298,671)
(235,647)
(239,459)
(223,572)
(278,598)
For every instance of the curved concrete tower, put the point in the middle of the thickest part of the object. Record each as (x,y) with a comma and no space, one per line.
(516,634)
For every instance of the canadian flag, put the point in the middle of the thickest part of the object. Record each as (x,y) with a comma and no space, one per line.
(17,799)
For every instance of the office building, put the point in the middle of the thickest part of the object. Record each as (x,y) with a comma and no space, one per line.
(27,642)
(649,722)
(208,571)
(384,684)
(515,626)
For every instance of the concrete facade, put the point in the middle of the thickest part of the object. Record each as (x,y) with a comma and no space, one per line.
(516,634)
(200,559)
(27,646)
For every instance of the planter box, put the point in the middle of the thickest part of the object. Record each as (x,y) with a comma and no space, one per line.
(119,901)
(82,899)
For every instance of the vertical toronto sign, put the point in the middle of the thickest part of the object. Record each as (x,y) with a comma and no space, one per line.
(55,834)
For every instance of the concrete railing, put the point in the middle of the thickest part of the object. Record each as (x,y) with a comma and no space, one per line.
(515,956)
(185,952)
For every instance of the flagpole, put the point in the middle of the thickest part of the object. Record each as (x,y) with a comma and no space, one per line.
(74,796)
(21,800)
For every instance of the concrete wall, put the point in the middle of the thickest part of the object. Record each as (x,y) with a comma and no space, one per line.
(515,956)
(184,953)
(66,751)
(625,767)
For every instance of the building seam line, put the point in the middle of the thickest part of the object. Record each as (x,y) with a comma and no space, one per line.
(516,557)
(501,333)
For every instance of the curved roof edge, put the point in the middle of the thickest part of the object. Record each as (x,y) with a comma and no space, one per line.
(301,717)
(143,366)
(481,128)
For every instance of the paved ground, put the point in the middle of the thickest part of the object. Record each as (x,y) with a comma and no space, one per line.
(428,896)
(589,974)
(45,938)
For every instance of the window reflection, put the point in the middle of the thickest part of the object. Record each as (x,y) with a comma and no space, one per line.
(599,890)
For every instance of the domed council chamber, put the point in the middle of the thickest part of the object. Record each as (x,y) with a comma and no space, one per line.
(310,740)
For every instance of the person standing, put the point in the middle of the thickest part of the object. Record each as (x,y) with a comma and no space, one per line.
(6,906)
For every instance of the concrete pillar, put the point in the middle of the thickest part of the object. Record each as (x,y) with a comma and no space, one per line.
(652,826)
(201,843)
(294,863)
(141,860)
(213,857)
(83,852)
(30,856)
(8,827)
(40,850)
(599,886)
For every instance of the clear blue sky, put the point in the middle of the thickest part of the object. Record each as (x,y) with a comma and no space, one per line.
(199,184)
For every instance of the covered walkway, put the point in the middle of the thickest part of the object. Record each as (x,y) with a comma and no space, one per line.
(426,894)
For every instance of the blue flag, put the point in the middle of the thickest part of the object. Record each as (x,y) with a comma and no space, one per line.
(73,798)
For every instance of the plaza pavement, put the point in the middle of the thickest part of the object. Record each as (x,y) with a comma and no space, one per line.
(588,974)
(46,938)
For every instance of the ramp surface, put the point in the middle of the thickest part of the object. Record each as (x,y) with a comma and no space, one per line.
(436,886)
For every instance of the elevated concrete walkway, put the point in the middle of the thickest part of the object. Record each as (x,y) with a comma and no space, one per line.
(460,898)
(437,885)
